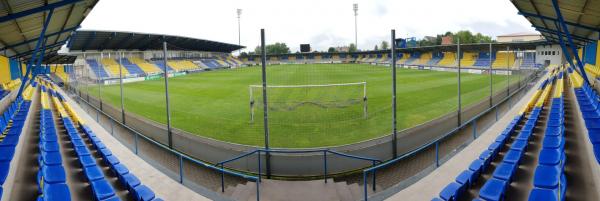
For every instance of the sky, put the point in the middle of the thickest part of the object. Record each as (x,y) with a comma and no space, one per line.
(321,23)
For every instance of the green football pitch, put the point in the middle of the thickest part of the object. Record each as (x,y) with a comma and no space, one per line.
(216,104)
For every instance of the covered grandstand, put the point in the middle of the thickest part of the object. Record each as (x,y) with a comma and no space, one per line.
(109,55)
(139,116)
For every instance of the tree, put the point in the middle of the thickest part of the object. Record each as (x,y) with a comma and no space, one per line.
(352,47)
(331,50)
(376,48)
(385,45)
(244,54)
(277,48)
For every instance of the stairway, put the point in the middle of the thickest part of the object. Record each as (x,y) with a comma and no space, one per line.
(315,190)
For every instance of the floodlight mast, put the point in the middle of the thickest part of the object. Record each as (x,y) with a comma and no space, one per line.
(239,15)
(355,8)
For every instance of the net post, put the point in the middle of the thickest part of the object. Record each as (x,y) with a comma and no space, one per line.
(265,102)
(459,98)
(394,120)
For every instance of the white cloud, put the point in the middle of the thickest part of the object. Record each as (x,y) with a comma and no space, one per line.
(321,23)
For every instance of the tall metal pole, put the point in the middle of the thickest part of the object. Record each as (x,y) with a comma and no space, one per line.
(508,72)
(98,75)
(394,122)
(265,102)
(491,78)
(239,14)
(459,98)
(355,8)
(121,87)
(169,133)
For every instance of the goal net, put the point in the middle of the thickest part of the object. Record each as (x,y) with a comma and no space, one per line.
(310,103)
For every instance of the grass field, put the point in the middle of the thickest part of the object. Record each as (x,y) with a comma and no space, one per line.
(215,104)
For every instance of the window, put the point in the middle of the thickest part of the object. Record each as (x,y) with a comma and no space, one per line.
(553,52)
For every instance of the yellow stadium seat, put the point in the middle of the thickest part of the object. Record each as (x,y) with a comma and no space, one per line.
(145,66)
(448,60)
(113,67)
(502,58)
(468,59)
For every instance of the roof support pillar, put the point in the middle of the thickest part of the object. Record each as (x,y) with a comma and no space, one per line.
(36,51)
(561,21)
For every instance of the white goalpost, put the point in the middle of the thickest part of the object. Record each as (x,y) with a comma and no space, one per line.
(336,95)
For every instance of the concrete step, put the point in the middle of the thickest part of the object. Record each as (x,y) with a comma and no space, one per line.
(240,192)
(229,190)
(343,192)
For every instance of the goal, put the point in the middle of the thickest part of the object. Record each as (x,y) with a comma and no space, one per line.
(345,99)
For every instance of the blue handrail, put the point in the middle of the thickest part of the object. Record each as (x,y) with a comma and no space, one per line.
(324,151)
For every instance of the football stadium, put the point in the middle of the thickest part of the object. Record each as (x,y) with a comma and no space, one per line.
(94,109)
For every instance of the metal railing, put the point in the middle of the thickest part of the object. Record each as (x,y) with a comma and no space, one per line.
(436,142)
(373,161)
(180,156)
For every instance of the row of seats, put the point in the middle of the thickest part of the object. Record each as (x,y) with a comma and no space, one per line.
(102,190)
(51,175)
(13,120)
(114,68)
(589,105)
(549,179)
(494,188)
(12,85)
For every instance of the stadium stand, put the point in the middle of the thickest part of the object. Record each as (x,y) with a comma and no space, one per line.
(13,84)
(181,65)
(448,59)
(59,71)
(148,68)
(100,167)
(435,59)
(413,59)
(11,124)
(483,59)
(132,68)
(423,59)
(589,105)
(504,58)
(516,137)
(528,60)
(113,67)
(468,59)
(98,70)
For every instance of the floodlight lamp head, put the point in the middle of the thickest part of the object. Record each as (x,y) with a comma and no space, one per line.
(355,8)
(239,12)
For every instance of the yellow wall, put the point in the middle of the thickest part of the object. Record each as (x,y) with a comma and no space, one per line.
(598,53)
(4,70)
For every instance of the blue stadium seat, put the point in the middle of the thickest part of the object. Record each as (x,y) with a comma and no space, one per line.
(56,192)
(465,178)
(538,194)
(54,174)
(546,177)
(493,190)
(93,173)
(505,171)
(130,181)
(87,161)
(550,157)
(102,189)
(7,153)
(513,157)
(51,158)
(477,167)
(4,167)
(143,193)
(519,145)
